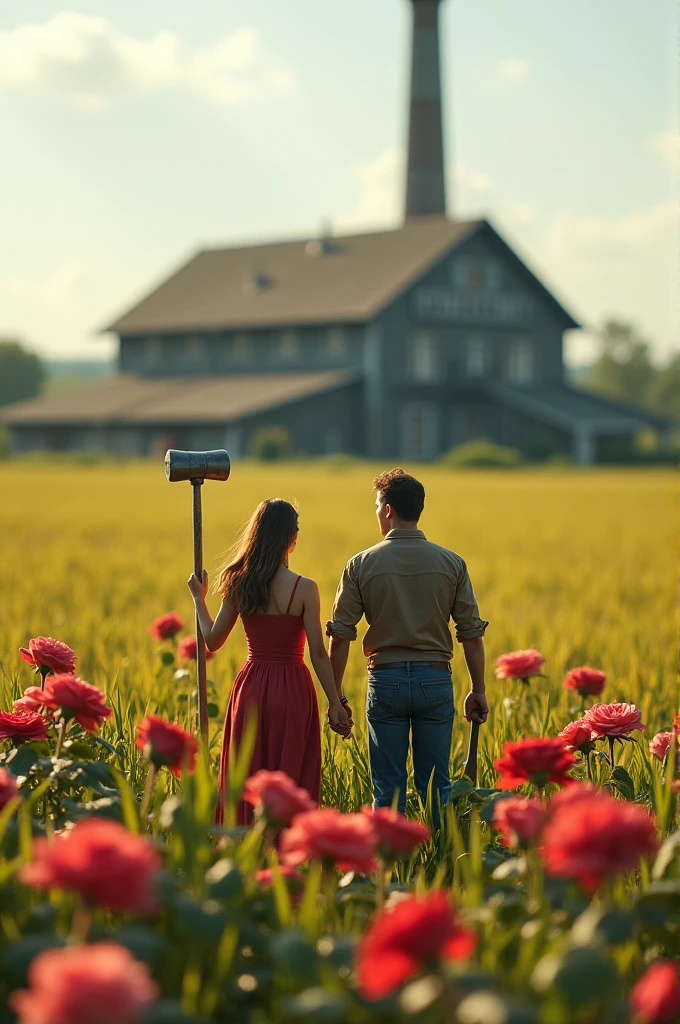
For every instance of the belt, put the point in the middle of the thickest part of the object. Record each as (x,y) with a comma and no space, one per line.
(393,664)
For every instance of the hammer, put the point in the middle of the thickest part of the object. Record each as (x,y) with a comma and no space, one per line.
(197,467)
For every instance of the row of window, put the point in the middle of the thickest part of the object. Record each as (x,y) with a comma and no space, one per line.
(240,347)
(424,359)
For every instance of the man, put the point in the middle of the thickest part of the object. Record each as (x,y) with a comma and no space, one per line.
(408,589)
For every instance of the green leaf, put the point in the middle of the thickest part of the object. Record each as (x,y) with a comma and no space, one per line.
(670,848)
(579,975)
(17,958)
(459,788)
(295,955)
(22,761)
(213,710)
(203,922)
(600,925)
(622,782)
(224,880)
(167,658)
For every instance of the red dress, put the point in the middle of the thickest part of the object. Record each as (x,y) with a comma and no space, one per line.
(276,682)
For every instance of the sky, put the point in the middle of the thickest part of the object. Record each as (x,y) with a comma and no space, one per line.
(134,134)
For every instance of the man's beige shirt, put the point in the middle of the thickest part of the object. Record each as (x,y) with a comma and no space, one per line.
(408,589)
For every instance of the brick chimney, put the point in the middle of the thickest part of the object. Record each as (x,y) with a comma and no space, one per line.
(425,185)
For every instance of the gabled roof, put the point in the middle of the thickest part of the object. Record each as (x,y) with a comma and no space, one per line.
(344,280)
(124,398)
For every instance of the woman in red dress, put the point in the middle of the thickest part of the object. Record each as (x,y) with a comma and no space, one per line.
(279,610)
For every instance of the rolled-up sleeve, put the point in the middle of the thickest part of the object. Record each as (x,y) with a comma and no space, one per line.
(348,607)
(465,611)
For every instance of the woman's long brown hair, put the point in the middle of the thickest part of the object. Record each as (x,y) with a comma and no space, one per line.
(247,575)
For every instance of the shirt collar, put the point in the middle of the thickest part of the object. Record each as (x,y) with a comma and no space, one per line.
(405,535)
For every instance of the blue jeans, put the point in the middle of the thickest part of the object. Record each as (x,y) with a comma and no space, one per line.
(414,698)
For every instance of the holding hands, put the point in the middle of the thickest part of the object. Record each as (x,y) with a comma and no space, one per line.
(340,718)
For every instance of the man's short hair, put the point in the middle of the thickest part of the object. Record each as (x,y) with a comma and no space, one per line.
(403,492)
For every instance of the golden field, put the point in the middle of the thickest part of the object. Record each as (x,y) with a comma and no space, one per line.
(579,564)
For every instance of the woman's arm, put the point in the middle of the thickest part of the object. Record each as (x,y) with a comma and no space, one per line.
(214,633)
(337,715)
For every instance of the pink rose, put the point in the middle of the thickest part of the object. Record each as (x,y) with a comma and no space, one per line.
(164,743)
(588,682)
(76,699)
(578,735)
(186,649)
(32,700)
(655,998)
(22,726)
(519,664)
(519,819)
(613,719)
(661,744)
(397,836)
(347,840)
(276,796)
(101,860)
(46,653)
(8,788)
(82,984)
(167,626)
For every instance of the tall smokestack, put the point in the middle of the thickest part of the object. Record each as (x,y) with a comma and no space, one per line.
(425,187)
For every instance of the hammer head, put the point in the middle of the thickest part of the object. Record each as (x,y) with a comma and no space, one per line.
(197,466)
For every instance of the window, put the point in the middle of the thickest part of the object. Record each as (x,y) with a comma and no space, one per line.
(194,349)
(336,342)
(419,430)
(520,368)
(424,358)
(476,356)
(241,347)
(480,273)
(289,344)
(153,351)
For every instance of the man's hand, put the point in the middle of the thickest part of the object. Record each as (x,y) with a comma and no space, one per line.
(476,707)
(339,720)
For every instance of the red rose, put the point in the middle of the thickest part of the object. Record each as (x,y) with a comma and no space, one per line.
(76,699)
(83,984)
(572,794)
(519,820)
(413,936)
(164,743)
(519,664)
(276,796)
(589,682)
(8,788)
(660,744)
(186,649)
(44,652)
(167,626)
(539,760)
(397,836)
(32,700)
(592,836)
(20,726)
(613,719)
(578,736)
(655,998)
(102,861)
(348,840)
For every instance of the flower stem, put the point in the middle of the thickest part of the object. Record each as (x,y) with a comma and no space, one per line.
(80,923)
(148,793)
(44,672)
(612,741)
(380,887)
(61,729)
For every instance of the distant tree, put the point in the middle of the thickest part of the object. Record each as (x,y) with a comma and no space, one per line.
(663,394)
(22,373)
(623,368)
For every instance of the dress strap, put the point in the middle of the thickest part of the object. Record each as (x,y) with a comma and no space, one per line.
(293,594)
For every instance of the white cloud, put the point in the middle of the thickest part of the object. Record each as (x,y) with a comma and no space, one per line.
(514,68)
(616,238)
(88,62)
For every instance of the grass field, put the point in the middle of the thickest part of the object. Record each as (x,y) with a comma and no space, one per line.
(578,564)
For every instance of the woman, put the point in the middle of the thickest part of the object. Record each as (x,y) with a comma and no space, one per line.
(278,609)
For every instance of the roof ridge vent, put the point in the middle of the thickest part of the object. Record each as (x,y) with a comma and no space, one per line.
(257,282)
(323,245)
